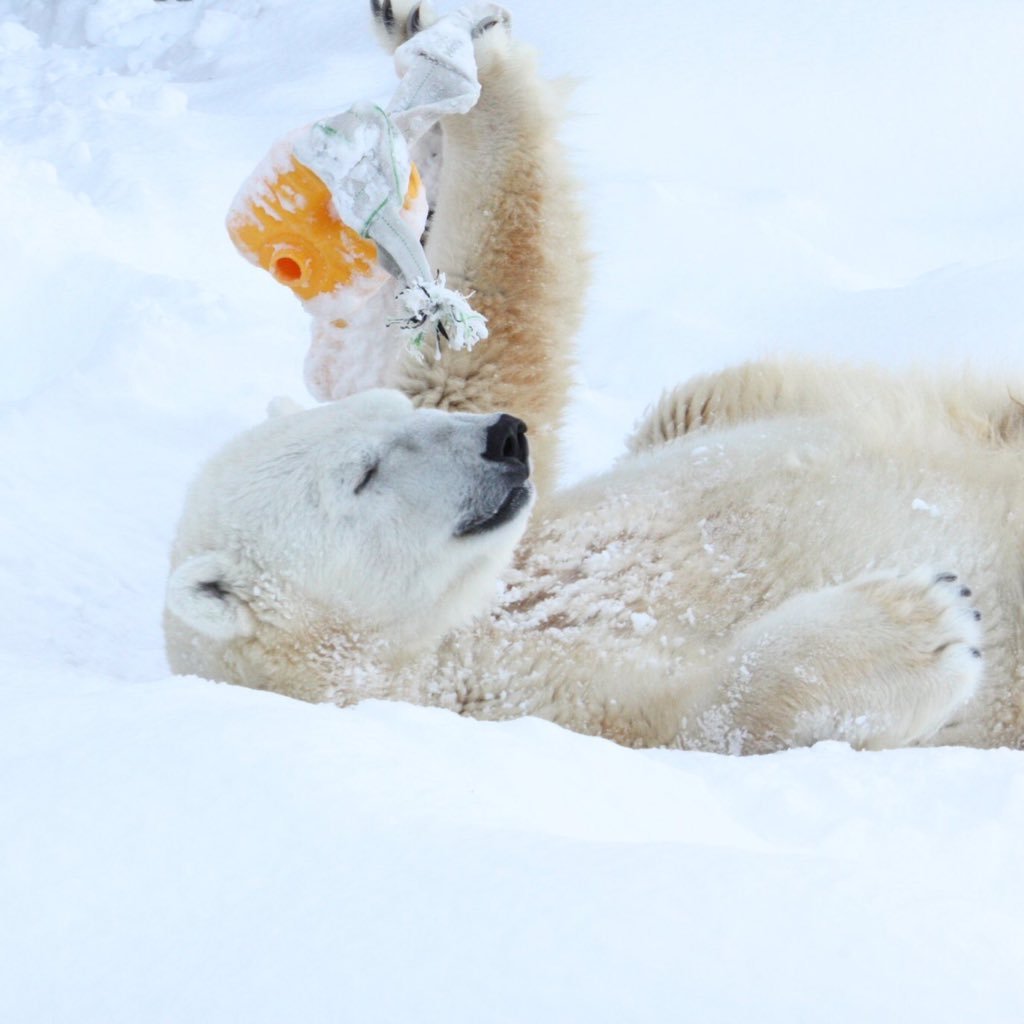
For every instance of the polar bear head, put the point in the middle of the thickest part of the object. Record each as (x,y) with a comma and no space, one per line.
(365,516)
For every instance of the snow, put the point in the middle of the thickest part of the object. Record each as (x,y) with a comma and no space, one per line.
(763,176)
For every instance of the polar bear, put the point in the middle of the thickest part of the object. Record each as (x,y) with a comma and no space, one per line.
(787,553)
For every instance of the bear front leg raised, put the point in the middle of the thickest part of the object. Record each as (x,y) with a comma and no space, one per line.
(506,231)
(882,661)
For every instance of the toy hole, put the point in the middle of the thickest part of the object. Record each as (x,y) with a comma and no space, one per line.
(286,269)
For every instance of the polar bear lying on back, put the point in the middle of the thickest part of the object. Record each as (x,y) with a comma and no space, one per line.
(787,554)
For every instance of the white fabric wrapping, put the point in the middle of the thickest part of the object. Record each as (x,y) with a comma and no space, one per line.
(362,155)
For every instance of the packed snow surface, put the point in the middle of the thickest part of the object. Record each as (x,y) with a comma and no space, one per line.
(779,175)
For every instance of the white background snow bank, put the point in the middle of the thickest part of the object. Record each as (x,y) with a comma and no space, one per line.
(779,175)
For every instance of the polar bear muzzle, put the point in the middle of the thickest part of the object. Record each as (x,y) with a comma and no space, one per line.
(506,491)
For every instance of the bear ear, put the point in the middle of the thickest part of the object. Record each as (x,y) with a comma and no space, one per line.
(205,593)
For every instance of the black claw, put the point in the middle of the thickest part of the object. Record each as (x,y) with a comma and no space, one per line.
(946,577)
(414,20)
(375,7)
(975,653)
(977,615)
(965,591)
(479,30)
(388,15)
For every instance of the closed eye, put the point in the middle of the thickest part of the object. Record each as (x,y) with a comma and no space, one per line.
(367,477)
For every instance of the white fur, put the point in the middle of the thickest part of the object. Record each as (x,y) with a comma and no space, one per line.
(748,587)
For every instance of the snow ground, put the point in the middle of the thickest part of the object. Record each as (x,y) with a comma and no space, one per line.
(840,178)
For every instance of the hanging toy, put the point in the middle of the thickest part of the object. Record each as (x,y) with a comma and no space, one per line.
(336,211)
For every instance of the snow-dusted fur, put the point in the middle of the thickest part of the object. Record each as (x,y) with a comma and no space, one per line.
(789,553)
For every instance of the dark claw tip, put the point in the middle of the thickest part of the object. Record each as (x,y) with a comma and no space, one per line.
(946,577)
(975,653)
(977,615)
(965,591)
(480,29)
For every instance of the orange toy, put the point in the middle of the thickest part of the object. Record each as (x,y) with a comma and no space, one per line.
(336,212)
(288,226)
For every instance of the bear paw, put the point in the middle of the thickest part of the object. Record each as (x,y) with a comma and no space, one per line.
(936,609)
(881,661)
(929,636)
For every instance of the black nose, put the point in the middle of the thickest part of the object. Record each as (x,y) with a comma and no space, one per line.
(506,441)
